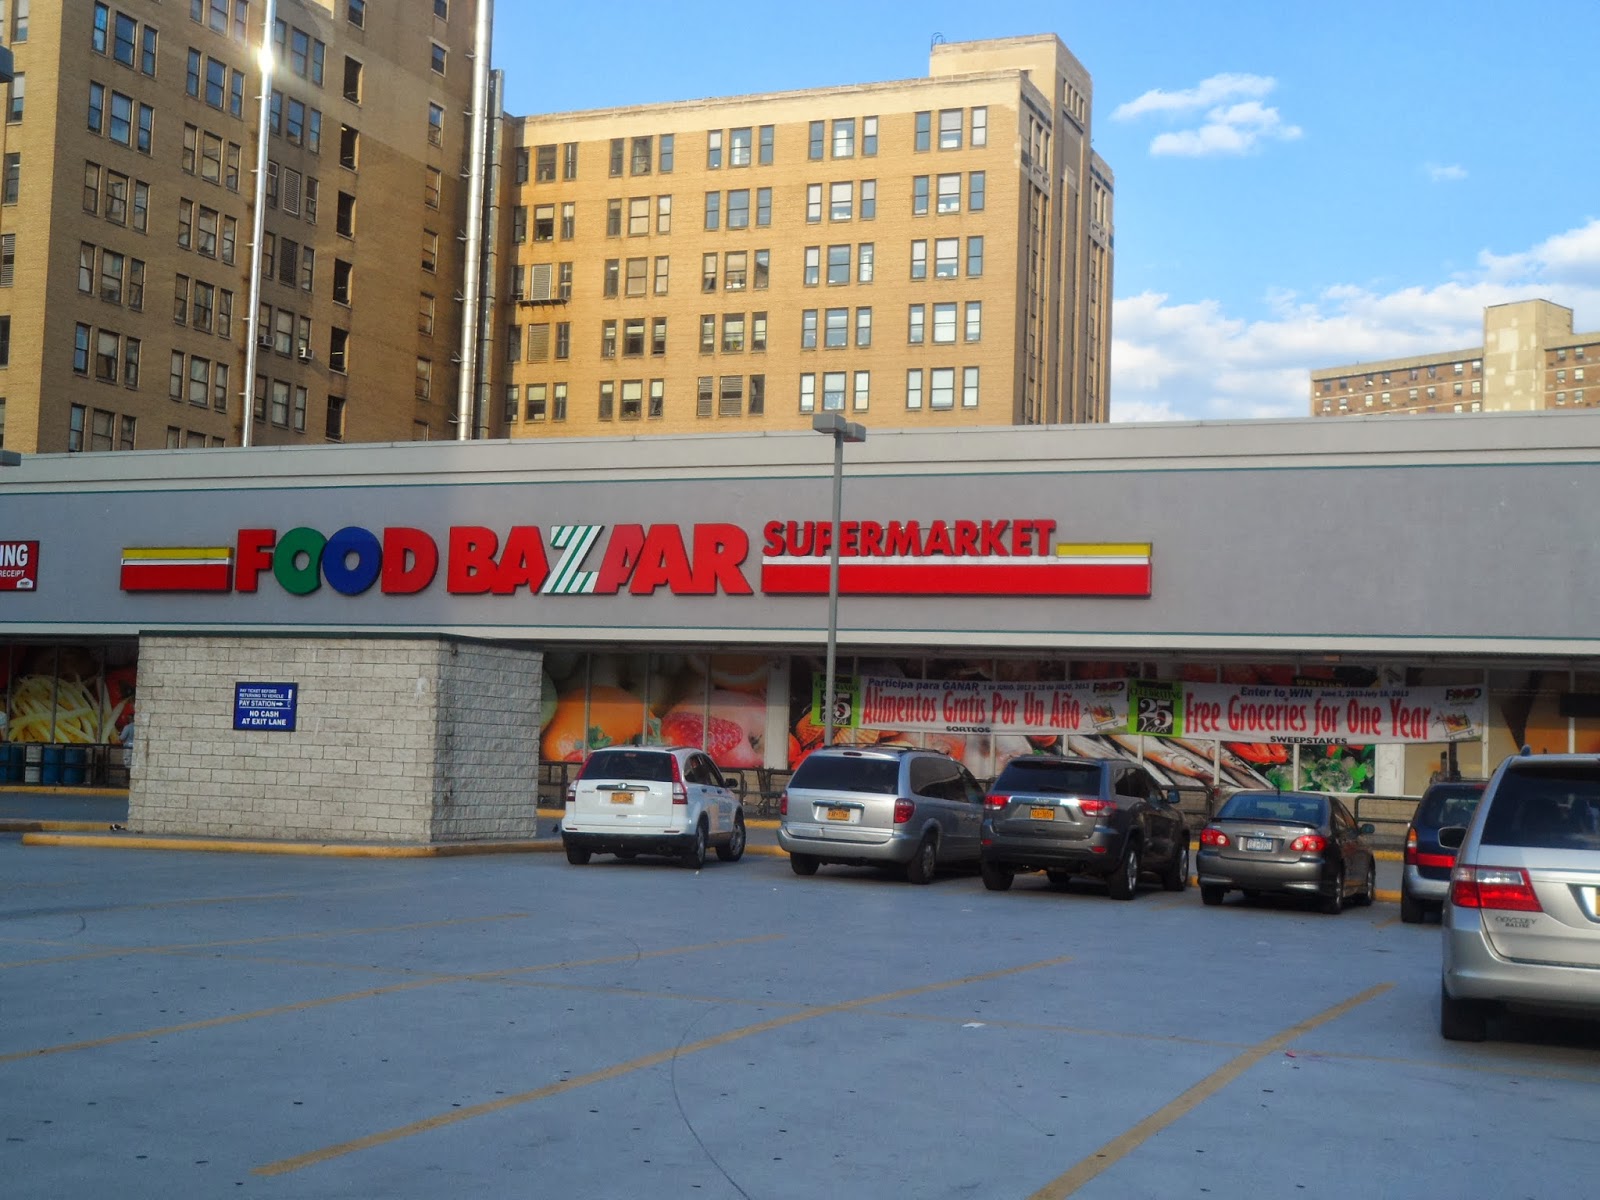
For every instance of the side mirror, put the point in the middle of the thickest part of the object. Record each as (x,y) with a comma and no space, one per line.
(1174,797)
(1368,827)
(1451,836)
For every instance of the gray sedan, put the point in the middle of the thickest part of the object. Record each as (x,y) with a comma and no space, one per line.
(1293,843)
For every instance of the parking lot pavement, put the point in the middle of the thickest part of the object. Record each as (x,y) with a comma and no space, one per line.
(265,1026)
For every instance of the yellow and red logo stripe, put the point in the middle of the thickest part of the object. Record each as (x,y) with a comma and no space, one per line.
(1075,569)
(177,569)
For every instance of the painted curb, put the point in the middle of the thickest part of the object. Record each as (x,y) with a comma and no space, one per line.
(134,841)
(25,825)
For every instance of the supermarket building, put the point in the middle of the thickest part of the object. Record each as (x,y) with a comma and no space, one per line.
(386,644)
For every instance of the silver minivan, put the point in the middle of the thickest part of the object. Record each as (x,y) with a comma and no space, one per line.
(1522,918)
(881,806)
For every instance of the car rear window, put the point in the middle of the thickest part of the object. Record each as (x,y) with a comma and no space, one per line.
(1068,779)
(831,773)
(1253,806)
(1546,808)
(650,765)
(1449,804)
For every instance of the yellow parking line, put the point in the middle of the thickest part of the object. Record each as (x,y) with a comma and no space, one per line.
(387,990)
(1120,1147)
(285,1165)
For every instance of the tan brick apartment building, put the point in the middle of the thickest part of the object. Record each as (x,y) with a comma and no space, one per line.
(1530,360)
(930,252)
(129,147)
(925,252)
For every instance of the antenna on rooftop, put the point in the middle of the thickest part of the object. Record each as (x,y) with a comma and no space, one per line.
(938,40)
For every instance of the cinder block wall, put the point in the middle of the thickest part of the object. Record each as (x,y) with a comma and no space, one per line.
(488,749)
(381,753)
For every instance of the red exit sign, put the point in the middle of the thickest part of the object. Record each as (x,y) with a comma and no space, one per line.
(19,566)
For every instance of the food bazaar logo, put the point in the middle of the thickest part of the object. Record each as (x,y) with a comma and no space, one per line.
(19,566)
(895,558)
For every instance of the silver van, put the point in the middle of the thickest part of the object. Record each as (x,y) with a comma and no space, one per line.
(1522,917)
(881,806)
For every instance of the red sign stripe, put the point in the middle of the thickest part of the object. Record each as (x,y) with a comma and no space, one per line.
(177,577)
(958,579)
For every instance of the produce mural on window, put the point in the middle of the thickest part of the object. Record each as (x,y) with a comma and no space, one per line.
(68,694)
(717,702)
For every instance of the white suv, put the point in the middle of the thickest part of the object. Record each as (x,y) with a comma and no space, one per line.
(670,800)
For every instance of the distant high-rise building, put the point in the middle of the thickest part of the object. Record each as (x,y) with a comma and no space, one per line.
(1530,360)
(126,229)
(927,252)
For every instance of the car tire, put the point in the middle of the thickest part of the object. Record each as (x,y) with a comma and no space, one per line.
(1176,877)
(1124,881)
(1412,910)
(1462,1020)
(1058,877)
(577,857)
(1211,894)
(1369,893)
(695,856)
(1333,905)
(995,877)
(924,862)
(734,850)
(803,864)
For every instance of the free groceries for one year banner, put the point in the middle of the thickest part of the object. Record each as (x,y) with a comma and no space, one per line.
(1224,712)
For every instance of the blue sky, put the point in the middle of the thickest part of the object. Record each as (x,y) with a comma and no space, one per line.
(1297,186)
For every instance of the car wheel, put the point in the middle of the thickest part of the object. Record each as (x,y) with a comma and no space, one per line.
(1058,878)
(1124,881)
(803,864)
(923,864)
(1369,893)
(734,850)
(1211,894)
(576,856)
(1176,877)
(1412,910)
(1333,904)
(695,856)
(1462,1020)
(995,877)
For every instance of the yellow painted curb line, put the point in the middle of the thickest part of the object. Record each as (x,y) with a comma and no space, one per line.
(34,789)
(134,841)
(11,825)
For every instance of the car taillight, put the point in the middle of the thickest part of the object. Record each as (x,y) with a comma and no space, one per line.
(1212,836)
(1310,843)
(1493,887)
(995,800)
(902,811)
(783,805)
(680,794)
(572,793)
(1411,847)
(1094,808)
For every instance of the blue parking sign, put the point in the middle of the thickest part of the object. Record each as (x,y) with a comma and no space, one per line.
(264,705)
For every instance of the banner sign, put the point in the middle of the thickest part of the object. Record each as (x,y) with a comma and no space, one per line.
(1214,712)
(1359,716)
(264,706)
(19,566)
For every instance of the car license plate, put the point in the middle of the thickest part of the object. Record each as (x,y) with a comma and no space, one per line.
(621,798)
(1042,814)
(1258,843)
(838,814)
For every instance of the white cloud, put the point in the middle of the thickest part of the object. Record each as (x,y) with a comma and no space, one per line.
(1208,94)
(1195,361)
(1444,174)
(1236,122)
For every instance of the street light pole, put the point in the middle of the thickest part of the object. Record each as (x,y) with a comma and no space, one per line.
(841,431)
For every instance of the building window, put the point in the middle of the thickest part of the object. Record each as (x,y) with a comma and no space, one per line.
(975,191)
(813,266)
(739,208)
(836,328)
(922,131)
(863,391)
(864,259)
(969,387)
(949,194)
(919,196)
(808,329)
(815,140)
(950,121)
(844,138)
(974,257)
(980,127)
(764,148)
(841,201)
(942,388)
(863,328)
(869,136)
(435,124)
(808,393)
(838,264)
(813,203)
(919,260)
(713,210)
(974,322)
(608,395)
(730,396)
(739,146)
(869,199)
(436,59)
(916,316)
(944,324)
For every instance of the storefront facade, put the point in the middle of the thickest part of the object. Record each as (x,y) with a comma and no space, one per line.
(1239,603)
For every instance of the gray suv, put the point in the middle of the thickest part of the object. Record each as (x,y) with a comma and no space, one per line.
(1083,816)
(1522,917)
(881,806)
